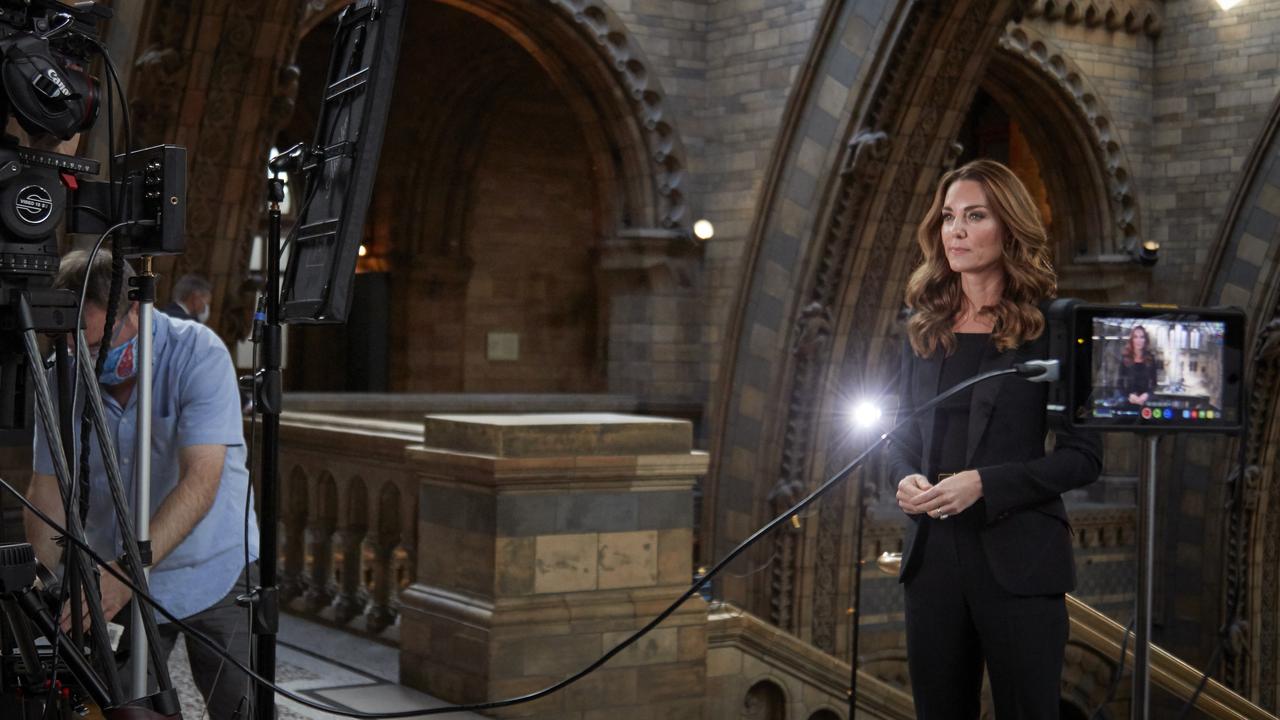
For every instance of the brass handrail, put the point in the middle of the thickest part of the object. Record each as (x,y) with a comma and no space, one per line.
(1168,672)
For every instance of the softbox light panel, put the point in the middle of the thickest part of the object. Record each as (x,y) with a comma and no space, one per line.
(353,116)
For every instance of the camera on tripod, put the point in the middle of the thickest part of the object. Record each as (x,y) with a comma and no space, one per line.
(49,97)
(45,51)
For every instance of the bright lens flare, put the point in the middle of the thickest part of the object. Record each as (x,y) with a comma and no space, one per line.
(866,414)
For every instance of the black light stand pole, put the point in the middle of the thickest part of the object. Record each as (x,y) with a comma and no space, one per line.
(856,605)
(267,397)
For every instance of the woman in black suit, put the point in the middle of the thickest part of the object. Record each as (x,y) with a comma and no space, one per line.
(1137,367)
(987,554)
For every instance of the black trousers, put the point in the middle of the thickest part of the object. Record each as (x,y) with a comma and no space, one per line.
(959,618)
(224,687)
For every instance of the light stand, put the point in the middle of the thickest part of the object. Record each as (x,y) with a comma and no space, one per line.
(1146,554)
(267,400)
(856,605)
(340,167)
(145,294)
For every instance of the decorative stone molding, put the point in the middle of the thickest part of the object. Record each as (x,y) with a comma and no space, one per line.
(1130,16)
(1032,48)
(611,51)
(1253,533)
(812,334)
(633,72)
(876,172)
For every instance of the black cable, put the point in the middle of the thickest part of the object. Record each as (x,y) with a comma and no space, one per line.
(128,129)
(84,290)
(1204,680)
(1119,672)
(312,189)
(116,203)
(92,211)
(65,588)
(1021,369)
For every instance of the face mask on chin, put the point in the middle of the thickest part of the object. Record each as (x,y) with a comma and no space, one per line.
(203,317)
(121,364)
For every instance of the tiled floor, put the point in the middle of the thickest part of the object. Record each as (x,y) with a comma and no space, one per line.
(364,679)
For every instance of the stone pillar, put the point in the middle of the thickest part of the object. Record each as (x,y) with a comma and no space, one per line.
(650,287)
(544,540)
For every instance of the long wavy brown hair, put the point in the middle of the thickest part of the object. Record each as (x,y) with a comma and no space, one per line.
(934,292)
(1129,355)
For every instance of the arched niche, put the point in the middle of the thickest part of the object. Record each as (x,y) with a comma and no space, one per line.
(1241,518)
(461,257)
(829,253)
(1096,218)
(765,700)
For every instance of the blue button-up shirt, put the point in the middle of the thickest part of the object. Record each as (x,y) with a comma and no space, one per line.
(195,401)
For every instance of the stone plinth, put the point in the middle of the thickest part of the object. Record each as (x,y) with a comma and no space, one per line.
(543,541)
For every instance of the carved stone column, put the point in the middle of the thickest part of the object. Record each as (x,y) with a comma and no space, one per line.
(543,541)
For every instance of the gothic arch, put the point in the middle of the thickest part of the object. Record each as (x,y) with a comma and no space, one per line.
(833,237)
(1243,272)
(1097,218)
(202,97)
(765,700)
(587,51)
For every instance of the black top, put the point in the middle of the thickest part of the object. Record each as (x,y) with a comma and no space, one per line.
(175,310)
(1137,378)
(951,417)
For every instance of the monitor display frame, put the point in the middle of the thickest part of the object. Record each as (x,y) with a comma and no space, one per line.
(1191,378)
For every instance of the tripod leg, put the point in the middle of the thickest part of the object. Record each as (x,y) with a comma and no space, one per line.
(98,415)
(48,414)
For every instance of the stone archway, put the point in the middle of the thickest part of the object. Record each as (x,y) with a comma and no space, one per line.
(243,88)
(1096,217)
(765,700)
(866,134)
(625,216)
(1241,522)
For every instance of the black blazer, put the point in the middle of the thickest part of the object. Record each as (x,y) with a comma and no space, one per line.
(174,310)
(1027,535)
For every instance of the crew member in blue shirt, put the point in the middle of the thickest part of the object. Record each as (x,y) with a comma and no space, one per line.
(199,480)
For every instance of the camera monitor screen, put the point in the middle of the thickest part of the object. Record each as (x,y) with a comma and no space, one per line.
(1140,368)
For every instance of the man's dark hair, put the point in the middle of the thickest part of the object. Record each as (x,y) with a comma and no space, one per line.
(71,272)
(190,284)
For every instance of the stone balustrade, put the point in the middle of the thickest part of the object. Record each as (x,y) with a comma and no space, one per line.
(504,552)
(348,519)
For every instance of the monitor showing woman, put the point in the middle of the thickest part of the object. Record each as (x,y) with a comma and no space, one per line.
(1137,367)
